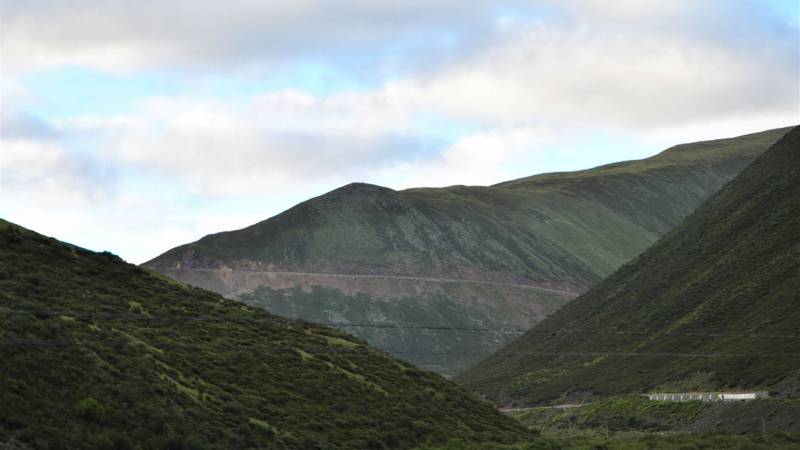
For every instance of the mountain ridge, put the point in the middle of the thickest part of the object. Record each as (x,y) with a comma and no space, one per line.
(557,231)
(711,306)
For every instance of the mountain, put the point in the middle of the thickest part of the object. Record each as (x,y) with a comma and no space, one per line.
(472,264)
(97,353)
(714,305)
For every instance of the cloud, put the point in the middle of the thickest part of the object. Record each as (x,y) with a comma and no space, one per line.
(586,72)
(481,158)
(266,144)
(620,63)
(19,125)
(275,142)
(428,93)
(81,198)
(121,36)
(41,171)
(543,80)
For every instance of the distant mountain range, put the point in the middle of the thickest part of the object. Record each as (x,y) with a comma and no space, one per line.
(714,305)
(467,264)
(96,353)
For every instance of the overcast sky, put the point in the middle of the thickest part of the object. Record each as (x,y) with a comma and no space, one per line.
(135,126)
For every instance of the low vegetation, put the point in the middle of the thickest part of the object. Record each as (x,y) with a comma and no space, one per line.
(570,228)
(602,440)
(99,354)
(458,333)
(566,230)
(637,413)
(712,306)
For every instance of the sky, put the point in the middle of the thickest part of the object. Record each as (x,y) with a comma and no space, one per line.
(133,127)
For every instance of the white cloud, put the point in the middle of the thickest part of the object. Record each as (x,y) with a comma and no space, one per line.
(482,158)
(123,36)
(71,196)
(266,144)
(581,74)
(551,78)
(43,173)
(501,89)
(24,161)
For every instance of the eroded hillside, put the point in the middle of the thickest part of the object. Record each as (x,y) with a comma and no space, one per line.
(711,306)
(540,241)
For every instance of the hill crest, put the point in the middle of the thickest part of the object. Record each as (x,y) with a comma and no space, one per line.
(713,305)
(363,253)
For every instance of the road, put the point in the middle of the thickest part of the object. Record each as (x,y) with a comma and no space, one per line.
(390,277)
(565,406)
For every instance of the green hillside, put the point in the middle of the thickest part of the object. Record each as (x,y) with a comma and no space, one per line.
(96,353)
(561,232)
(713,305)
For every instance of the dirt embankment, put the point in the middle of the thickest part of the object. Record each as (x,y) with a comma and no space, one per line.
(522,298)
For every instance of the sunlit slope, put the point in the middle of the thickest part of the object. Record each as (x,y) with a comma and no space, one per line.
(713,305)
(96,353)
(563,232)
(569,228)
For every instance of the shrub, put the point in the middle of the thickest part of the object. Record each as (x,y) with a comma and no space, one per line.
(90,409)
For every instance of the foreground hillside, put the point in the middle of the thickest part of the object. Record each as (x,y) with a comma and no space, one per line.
(96,353)
(713,305)
(500,257)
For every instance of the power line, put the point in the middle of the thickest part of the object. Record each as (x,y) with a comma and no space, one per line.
(380,325)
(364,350)
(208,318)
(380,276)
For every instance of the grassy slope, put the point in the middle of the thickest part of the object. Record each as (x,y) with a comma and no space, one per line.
(96,353)
(565,229)
(637,413)
(732,269)
(603,440)
(472,338)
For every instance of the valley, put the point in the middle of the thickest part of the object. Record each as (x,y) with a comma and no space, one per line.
(394,225)
(499,257)
(711,307)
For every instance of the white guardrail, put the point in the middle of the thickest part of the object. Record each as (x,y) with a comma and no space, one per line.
(706,396)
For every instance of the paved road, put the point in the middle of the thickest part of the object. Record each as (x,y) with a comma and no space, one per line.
(390,277)
(566,406)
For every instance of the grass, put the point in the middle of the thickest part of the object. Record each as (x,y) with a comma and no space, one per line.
(568,231)
(724,282)
(445,308)
(601,440)
(142,363)
(636,413)
(572,228)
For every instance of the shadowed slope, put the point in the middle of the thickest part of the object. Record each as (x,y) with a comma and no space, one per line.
(559,231)
(713,305)
(96,353)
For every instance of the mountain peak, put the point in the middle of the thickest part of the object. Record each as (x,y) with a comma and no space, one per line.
(359,190)
(431,252)
(362,187)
